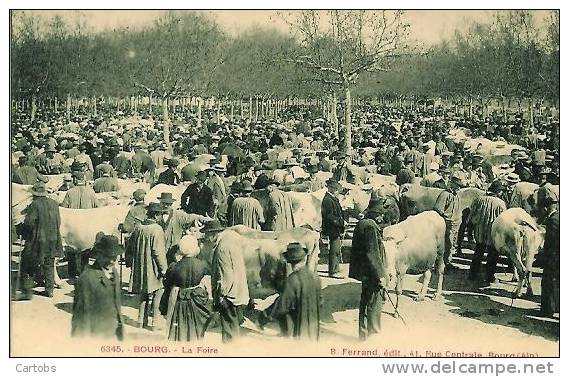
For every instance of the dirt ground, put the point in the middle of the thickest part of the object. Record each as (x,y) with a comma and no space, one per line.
(467,321)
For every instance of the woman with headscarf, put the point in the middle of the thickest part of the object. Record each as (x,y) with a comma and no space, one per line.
(185,300)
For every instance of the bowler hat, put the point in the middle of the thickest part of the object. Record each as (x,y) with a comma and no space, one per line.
(332,181)
(38,189)
(212,226)
(263,181)
(375,203)
(246,186)
(173,162)
(512,178)
(496,186)
(107,246)
(294,252)
(156,208)
(459,179)
(166,197)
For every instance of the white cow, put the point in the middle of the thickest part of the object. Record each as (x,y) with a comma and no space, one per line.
(416,245)
(79,227)
(516,234)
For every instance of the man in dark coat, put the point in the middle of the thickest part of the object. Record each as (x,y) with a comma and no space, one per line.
(342,171)
(97,298)
(483,211)
(25,174)
(550,283)
(448,205)
(198,197)
(169,176)
(406,175)
(333,223)
(367,264)
(298,306)
(142,163)
(43,241)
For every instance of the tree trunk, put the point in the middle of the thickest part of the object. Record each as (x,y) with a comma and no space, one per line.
(469,107)
(232,110)
(241,105)
(335,115)
(34,108)
(166,120)
(95,106)
(348,131)
(199,124)
(219,111)
(504,111)
(530,108)
(55,104)
(150,104)
(68,107)
(251,110)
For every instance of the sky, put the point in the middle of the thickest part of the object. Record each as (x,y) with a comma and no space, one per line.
(427,26)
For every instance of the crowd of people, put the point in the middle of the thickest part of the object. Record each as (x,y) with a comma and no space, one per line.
(167,262)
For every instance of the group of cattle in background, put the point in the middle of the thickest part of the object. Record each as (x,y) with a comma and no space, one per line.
(414,245)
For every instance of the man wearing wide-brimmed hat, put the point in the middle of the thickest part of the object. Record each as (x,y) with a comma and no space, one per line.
(97,297)
(25,174)
(146,253)
(219,189)
(246,210)
(136,214)
(548,203)
(175,222)
(433,176)
(49,162)
(298,307)
(228,280)
(198,197)
(106,183)
(279,214)
(406,175)
(483,212)
(448,205)
(342,170)
(333,225)
(368,265)
(81,196)
(42,241)
(169,176)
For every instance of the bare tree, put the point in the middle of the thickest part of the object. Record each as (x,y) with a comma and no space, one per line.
(339,45)
(175,57)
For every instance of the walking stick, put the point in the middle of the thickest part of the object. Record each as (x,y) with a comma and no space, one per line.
(121,260)
(19,277)
(394,307)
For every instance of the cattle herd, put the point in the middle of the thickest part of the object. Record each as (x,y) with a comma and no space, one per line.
(299,151)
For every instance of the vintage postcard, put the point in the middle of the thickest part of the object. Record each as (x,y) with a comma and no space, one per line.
(303,183)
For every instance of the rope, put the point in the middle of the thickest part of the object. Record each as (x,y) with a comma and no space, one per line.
(394,308)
